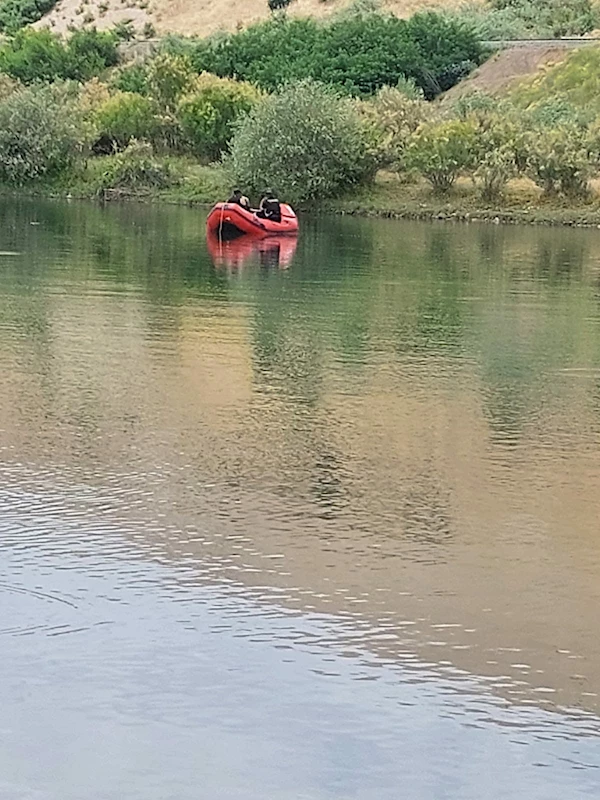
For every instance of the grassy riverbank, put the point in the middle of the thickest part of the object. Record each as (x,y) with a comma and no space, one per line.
(522,202)
(388,196)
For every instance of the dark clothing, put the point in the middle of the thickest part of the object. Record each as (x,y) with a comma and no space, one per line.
(270,208)
(239,199)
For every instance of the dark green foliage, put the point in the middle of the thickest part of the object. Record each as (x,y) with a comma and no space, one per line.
(278,5)
(33,55)
(133,78)
(15,14)
(357,54)
(89,52)
(447,51)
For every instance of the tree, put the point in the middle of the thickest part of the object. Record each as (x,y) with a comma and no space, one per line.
(441,151)
(209,115)
(41,133)
(305,141)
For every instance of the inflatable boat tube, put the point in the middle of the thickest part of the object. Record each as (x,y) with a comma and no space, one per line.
(227,220)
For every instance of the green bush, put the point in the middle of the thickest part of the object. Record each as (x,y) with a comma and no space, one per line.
(561,17)
(472,104)
(394,116)
(208,117)
(169,77)
(561,160)
(41,133)
(305,141)
(89,52)
(131,78)
(33,55)
(136,168)
(127,116)
(441,151)
(408,87)
(523,19)
(499,141)
(15,14)
(125,30)
(357,53)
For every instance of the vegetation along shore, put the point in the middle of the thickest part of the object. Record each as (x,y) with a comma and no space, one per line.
(358,113)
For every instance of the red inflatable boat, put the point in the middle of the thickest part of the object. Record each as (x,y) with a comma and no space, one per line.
(227,220)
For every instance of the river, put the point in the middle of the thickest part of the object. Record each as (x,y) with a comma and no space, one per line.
(320,524)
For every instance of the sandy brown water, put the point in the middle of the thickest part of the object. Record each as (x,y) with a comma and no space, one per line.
(321,531)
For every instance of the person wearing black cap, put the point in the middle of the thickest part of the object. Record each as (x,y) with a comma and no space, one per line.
(269,207)
(239,198)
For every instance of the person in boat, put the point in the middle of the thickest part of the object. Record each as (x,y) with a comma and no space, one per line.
(240,199)
(269,207)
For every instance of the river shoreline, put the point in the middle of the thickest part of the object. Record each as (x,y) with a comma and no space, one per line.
(388,197)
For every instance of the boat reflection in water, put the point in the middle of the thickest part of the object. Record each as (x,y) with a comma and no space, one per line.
(269,251)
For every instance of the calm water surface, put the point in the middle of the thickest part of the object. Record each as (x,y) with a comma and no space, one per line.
(321,525)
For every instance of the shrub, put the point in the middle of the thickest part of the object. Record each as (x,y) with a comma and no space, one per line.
(523,19)
(124,30)
(168,77)
(357,53)
(305,141)
(560,17)
(394,117)
(15,14)
(92,97)
(442,151)
(560,160)
(498,144)
(472,103)
(33,55)
(208,116)
(132,78)
(408,87)
(89,52)
(127,116)
(41,133)
(136,168)
(448,51)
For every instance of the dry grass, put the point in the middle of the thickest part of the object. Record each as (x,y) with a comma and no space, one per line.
(102,14)
(523,202)
(203,17)
(207,16)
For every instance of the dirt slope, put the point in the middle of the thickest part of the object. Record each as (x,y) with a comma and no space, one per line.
(200,17)
(507,67)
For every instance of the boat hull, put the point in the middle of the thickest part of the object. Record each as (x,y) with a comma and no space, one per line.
(230,219)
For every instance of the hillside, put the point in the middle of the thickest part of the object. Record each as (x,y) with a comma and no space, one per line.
(201,17)
(508,68)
